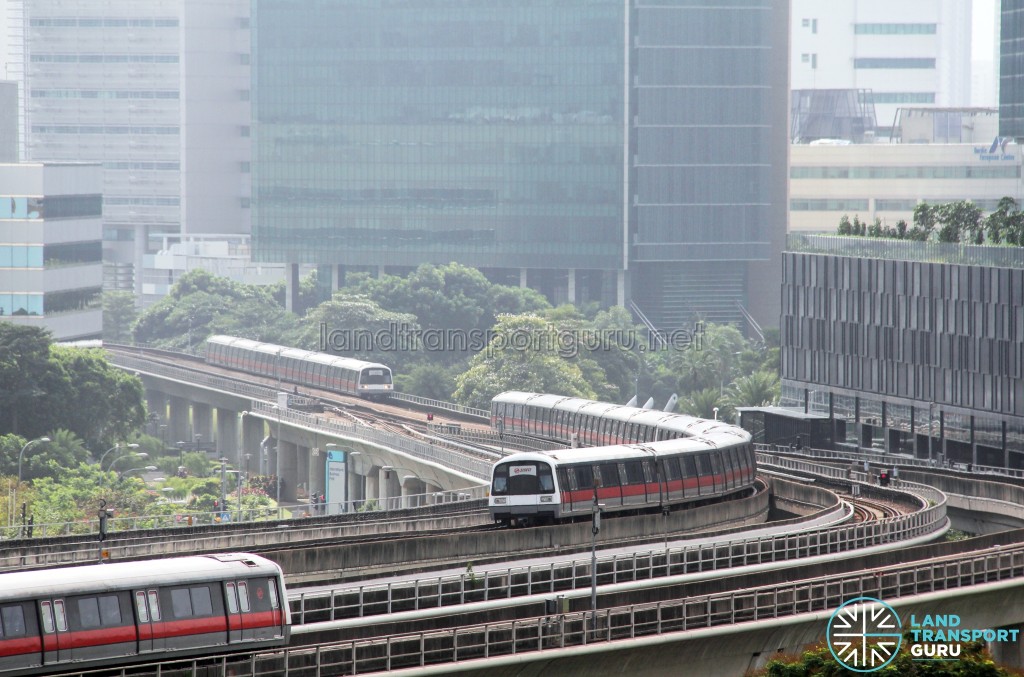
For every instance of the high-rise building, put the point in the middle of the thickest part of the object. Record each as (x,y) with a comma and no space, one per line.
(593,149)
(1011,69)
(51,269)
(158,92)
(910,53)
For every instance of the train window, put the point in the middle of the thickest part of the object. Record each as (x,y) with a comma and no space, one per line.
(232,598)
(650,473)
(243,596)
(154,605)
(689,466)
(89,613)
(547,480)
(13,621)
(140,606)
(99,612)
(59,616)
(275,602)
(181,603)
(584,475)
(110,610)
(499,485)
(716,468)
(262,599)
(672,468)
(375,377)
(47,614)
(202,604)
(634,472)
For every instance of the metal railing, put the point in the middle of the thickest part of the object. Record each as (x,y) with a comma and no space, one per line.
(213,381)
(200,538)
(540,634)
(473,467)
(358,601)
(884,459)
(442,405)
(908,250)
(764,603)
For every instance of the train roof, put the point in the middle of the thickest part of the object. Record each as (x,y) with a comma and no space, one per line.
(689,426)
(295,353)
(616,452)
(140,574)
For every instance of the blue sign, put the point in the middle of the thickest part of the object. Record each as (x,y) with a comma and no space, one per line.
(337,481)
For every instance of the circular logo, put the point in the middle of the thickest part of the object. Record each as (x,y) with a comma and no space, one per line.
(864,634)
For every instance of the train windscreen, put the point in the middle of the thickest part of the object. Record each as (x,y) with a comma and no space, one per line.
(519,478)
(375,376)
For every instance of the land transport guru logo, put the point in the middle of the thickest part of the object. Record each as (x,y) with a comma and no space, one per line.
(865,635)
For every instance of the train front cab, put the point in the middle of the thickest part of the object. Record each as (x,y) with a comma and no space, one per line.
(523,492)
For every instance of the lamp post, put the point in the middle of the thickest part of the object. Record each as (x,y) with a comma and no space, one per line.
(715,411)
(282,398)
(146,468)
(38,440)
(133,445)
(931,432)
(223,485)
(139,456)
(240,476)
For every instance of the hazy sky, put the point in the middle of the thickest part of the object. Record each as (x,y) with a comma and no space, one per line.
(982,38)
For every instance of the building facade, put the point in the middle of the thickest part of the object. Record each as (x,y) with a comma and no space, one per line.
(51,266)
(912,348)
(158,92)
(597,150)
(887,181)
(908,53)
(1011,69)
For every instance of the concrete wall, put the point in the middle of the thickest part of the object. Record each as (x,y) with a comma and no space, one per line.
(350,561)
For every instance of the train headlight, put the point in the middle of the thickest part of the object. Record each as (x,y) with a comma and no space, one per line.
(546,499)
(500,500)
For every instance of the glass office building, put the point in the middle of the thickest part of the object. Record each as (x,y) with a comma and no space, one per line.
(1011,69)
(589,148)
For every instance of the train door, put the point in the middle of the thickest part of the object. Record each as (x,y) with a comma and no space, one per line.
(260,608)
(56,643)
(235,632)
(147,611)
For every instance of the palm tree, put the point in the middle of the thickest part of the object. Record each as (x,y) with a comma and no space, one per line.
(760,389)
(703,403)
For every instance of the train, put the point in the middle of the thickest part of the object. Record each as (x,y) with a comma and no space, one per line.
(369,380)
(152,610)
(632,460)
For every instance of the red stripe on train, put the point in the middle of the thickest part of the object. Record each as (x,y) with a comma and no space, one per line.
(20,645)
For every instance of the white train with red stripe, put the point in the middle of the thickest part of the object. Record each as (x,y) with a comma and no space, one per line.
(647,459)
(118,613)
(346,375)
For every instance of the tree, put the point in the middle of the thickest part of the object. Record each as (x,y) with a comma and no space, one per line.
(358,327)
(429,380)
(521,356)
(760,389)
(960,222)
(119,316)
(28,379)
(64,450)
(818,661)
(200,304)
(702,403)
(101,404)
(925,219)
